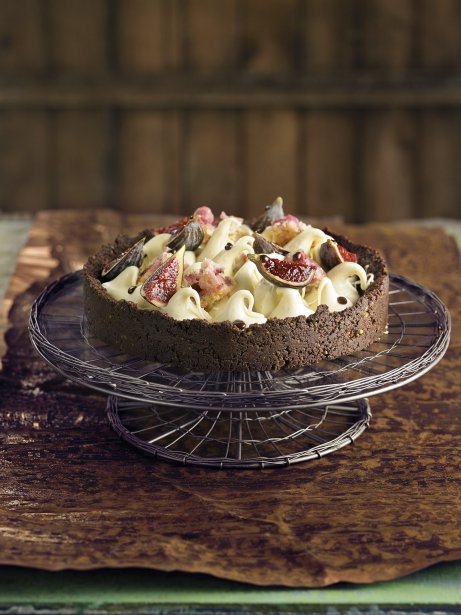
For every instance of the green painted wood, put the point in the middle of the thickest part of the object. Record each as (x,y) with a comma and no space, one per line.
(13,235)
(439,585)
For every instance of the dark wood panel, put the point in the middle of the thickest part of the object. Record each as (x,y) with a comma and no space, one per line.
(439,42)
(388,146)
(82,141)
(22,37)
(213,163)
(328,176)
(439,156)
(373,89)
(328,152)
(330,35)
(150,35)
(271,159)
(211,41)
(388,163)
(149,159)
(79,37)
(24,161)
(358,91)
(271,31)
(389,36)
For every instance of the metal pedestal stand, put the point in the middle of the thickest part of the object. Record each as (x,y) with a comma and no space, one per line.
(241,419)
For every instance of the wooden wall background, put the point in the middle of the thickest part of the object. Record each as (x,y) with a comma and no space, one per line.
(348,107)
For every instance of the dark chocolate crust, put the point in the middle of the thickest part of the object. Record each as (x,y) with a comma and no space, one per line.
(195,344)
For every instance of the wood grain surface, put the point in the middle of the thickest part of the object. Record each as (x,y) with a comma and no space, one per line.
(345,107)
(75,496)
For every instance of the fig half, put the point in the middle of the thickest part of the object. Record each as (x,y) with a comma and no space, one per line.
(283,272)
(163,283)
(132,256)
(272,213)
(264,246)
(332,254)
(190,236)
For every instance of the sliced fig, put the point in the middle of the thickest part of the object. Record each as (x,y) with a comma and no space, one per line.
(332,254)
(272,213)
(132,256)
(165,280)
(190,236)
(284,272)
(348,257)
(301,258)
(263,246)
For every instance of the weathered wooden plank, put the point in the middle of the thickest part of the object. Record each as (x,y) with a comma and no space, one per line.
(79,36)
(388,40)
(22,37)
(328,175)
(271,159)
(211,36)
(330,35)
(439,164)
(439,40)
(148,159)
(213,165)
(361,90)
(109,501)
(388,145)
(270,34)
(24,160)
(388,166)
(82,150)
(439,45)
(328,152)
(149,35)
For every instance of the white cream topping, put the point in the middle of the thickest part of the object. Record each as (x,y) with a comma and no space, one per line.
(324,293)
(189,258)
(290,304)
(126,280)
(218,240)
(118,287)
(185,305)
(155,246)
(231,260)
(343,278)
(266,297)
(238,307)
(253,299)
(307,240)
(247,277)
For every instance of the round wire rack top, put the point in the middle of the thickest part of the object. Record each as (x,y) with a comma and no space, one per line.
(417,337)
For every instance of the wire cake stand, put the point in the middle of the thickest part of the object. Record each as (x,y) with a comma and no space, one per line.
(241,419)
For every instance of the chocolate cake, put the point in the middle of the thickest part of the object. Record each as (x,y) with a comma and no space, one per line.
(177,316)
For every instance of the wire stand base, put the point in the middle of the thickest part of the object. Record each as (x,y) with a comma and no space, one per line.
(238,439)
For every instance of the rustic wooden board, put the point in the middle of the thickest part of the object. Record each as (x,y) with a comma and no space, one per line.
(75,496)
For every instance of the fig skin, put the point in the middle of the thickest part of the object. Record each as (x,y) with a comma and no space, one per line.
(272,213)
(191,236)
(332,254)
(283,272)
(264,246)
(164,281)
(132,256)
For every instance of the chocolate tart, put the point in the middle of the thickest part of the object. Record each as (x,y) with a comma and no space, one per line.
(291,342)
